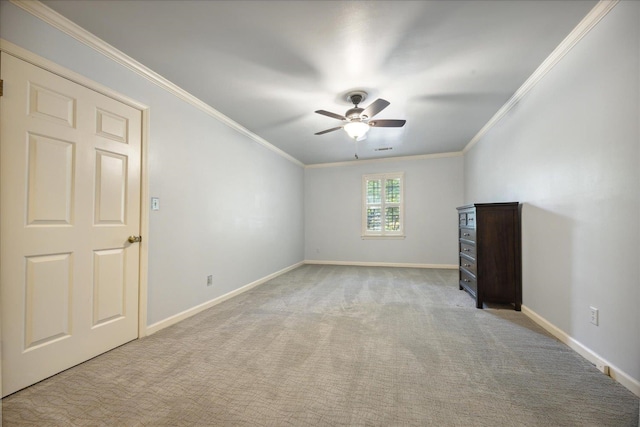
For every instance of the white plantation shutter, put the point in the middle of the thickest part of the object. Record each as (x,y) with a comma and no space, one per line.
(383,205)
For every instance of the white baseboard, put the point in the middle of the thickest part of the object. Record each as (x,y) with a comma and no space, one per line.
(165,323)
(381,264)
(614,372)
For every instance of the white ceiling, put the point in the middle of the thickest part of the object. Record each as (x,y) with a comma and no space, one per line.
(445,66)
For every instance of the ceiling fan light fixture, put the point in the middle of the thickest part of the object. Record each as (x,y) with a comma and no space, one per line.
(356,130)
(355,120)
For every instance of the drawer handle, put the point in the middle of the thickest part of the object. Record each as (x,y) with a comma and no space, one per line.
(466,234)
(467,250)
(470,219)
(467,280)
(467,265)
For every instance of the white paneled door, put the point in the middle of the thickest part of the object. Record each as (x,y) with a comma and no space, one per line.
(69,199)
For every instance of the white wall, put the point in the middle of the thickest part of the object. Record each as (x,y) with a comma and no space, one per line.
(229,207)
(333,203)
(570,151)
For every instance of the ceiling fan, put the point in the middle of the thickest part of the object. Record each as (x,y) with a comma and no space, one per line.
(358,120)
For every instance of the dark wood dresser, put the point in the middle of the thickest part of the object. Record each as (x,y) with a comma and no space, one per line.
(490,252)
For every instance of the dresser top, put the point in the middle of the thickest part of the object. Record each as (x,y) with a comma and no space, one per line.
(489,205)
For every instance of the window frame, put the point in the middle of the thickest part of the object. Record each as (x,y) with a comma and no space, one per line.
(382,233)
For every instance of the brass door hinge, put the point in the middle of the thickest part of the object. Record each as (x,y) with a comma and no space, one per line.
(1,86)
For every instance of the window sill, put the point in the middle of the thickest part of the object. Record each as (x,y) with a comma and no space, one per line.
(370,237)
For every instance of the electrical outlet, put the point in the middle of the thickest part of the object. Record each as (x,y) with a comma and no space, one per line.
(594,315)
(209,280)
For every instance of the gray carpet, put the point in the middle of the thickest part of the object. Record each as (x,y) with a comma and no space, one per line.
(336,346)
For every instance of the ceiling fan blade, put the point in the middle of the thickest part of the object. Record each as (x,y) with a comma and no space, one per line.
(388,123)
(327,131)
(375,107)
(330,114)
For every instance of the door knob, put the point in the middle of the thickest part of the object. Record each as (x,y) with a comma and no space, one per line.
(134,239)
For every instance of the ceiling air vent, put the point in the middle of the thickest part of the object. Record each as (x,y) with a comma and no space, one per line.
(384,149)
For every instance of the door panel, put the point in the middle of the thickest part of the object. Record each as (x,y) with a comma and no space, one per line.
(109,285)
(49,105)
(69,198)
(48,299)
(50,181)
(110,125)
(111,186)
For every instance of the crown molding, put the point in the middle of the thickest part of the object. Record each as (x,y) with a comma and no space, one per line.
(53,18)
(385,160)
(594,16)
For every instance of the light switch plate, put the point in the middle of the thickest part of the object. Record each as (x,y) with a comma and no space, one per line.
(155,203)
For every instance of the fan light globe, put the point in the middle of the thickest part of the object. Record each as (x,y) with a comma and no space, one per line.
(356,130)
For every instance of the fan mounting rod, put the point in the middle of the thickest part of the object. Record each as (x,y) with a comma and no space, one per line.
(355,113)
(357,97)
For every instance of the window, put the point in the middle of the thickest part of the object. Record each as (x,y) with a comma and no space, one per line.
(383,205)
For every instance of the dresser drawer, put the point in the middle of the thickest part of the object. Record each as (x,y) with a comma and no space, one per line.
(468,264)
(467,249)
(471,219)
(467,219)
(468,281)
(468,234)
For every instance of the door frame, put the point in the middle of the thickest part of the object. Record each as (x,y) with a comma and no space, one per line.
(48,65)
